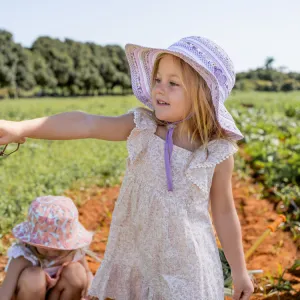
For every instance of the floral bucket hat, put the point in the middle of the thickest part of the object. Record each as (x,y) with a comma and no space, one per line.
(206,57)
(52,222)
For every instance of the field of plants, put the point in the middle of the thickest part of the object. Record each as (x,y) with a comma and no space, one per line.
(270,152)
(269,155)
(271,125)
(50,167)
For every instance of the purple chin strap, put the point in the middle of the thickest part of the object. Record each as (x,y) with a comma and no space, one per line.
(169,150)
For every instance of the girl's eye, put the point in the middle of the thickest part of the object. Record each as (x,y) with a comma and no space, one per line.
(157,80)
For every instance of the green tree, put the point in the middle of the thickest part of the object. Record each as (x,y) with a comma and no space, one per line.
(43,75)
(268,62)
(86,75)
(57,58)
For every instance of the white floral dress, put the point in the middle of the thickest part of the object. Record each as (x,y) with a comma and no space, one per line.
(162,244)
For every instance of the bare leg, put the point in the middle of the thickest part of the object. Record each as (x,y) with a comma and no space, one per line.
(31,284)
(71,284)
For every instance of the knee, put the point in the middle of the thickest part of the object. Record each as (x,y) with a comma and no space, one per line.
(75,276)
(32,281)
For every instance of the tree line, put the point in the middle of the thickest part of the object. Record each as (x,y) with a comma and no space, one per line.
(51,67)
(55,68)
(267,78)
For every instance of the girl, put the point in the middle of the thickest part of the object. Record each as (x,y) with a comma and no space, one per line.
(161,243)
(48,261)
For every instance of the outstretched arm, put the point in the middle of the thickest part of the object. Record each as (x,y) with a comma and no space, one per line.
(68,126)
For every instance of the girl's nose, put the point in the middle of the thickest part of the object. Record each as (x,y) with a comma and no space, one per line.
(160,88)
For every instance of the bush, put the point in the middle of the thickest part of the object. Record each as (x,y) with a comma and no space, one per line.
(264,85)
(289,85)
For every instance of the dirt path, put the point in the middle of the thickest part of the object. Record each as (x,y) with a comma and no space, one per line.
(96,205)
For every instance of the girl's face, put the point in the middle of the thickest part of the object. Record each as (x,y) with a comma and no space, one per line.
(49,253)
(168,94)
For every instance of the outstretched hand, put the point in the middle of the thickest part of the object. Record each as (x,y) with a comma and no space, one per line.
(10,132)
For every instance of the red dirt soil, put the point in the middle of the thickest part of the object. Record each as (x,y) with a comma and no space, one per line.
(96,205)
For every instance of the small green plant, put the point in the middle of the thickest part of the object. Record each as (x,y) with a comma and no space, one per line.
(295,268)
(277,283)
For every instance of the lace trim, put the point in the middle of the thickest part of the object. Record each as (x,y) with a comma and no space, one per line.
(143,119)
(17,250)
(202,185)
(138,138)
(200,171)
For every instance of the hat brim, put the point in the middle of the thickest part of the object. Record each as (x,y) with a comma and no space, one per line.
(141,61)
(227,122)
(81,239)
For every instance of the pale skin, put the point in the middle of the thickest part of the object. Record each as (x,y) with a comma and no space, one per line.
(169,89)
(23,281)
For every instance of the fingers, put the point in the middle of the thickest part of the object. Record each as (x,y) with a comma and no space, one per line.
(246,295)
(3,141)
(236,295)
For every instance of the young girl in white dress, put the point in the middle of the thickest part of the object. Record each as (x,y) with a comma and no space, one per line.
(161,244)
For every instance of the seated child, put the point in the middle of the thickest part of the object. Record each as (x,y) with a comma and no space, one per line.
(48,259)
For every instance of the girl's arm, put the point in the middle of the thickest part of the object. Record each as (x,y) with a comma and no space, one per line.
(9,285)
(225,217)
(68,126)
(89,275)
(228,228)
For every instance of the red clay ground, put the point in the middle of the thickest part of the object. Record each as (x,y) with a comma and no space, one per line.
(96,205)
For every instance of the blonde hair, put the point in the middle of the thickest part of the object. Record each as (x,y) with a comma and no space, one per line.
(203,126)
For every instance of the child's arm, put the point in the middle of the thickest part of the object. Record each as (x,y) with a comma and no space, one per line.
(89,274)
(9,285)
(68,126)
(228,227)
(84,262)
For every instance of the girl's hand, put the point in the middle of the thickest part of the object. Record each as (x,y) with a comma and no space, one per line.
(10,132)
(242,286)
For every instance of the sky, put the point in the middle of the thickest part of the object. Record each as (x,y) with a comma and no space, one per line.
(249,31)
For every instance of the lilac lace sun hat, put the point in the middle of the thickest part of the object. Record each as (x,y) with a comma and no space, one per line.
(206,57)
